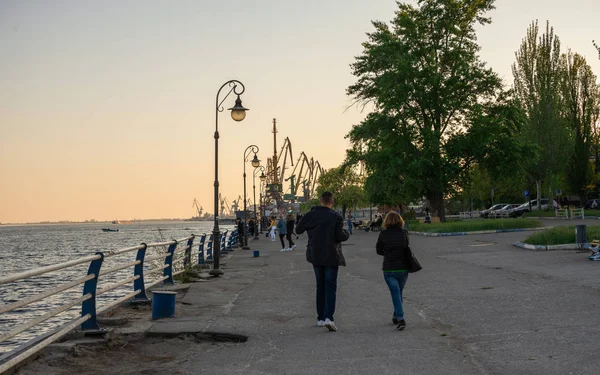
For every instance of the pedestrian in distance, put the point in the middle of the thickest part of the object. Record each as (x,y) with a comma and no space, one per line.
(291,223)
(392,243)
(349,222)
(240,227)
(282,229)
(326,232)
(273,229)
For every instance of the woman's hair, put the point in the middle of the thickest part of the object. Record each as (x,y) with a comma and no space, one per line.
(393,219)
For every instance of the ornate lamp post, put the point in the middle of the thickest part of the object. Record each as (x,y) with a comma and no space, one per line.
(255,164)
(262,178)
(238,113)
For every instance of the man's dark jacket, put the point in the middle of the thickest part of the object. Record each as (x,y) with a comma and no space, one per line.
(326,233)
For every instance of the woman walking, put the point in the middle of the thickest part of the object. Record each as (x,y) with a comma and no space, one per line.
(392,244)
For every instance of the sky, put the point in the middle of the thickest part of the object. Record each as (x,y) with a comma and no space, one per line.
(107,108)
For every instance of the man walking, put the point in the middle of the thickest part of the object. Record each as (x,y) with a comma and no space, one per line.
(326,233)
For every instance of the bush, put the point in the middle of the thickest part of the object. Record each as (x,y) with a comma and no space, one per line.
(474,225)
(561,235)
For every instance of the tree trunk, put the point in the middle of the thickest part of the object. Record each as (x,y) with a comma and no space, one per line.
(538,185)
(344,211)
(437,204)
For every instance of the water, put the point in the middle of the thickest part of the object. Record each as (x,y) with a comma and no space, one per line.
(31,246)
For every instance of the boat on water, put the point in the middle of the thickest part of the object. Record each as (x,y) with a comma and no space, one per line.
(109,230)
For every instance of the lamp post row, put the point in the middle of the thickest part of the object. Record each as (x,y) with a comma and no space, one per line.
(238,113)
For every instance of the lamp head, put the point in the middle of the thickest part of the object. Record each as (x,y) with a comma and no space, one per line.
(255,161)
(238,111)
(262,176)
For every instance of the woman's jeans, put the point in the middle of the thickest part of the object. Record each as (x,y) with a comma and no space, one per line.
(326,290)
(396,281)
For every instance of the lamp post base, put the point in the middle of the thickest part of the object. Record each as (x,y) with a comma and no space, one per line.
(216,272)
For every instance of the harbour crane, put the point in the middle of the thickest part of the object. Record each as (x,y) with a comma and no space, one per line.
(198,207)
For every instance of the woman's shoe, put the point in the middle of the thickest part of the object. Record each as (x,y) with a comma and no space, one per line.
(401,325)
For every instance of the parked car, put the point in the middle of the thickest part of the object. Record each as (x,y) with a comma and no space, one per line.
(592,204)
(504,211)
(532,206)
(486,213)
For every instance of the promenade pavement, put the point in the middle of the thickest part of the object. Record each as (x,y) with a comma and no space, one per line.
(479,306)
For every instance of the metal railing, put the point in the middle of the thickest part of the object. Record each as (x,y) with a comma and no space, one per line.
(177,258)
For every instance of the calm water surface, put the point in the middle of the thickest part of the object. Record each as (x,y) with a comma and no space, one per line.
(31,246)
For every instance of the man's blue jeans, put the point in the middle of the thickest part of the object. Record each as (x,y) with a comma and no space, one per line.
(326,290)
(395,282)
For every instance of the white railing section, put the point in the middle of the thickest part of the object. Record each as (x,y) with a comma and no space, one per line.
(177,258)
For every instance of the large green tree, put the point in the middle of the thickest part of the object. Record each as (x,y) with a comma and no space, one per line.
(435,108)
(581,98)
(537,78)
(346,185)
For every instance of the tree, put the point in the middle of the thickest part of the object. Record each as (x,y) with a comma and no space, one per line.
(581,96)
(345,185)
(537,77)
(433,98)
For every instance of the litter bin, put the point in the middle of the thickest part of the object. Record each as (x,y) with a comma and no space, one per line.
(580,235)
(163,304)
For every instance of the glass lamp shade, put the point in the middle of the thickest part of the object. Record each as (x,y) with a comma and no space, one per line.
(238,111)
(262,176)
(255,161)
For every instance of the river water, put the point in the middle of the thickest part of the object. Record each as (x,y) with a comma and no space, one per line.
(30,246)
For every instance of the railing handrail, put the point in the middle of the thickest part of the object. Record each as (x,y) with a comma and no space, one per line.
(46,269)
(179,254)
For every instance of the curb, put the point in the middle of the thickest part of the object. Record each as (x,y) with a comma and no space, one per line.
(572,246)
(448,234)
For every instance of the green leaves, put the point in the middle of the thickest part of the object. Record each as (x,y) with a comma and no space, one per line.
(434,103)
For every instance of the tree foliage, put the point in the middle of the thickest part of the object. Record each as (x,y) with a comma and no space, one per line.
(345,184)
(537,78)
(581,97)
(436,108)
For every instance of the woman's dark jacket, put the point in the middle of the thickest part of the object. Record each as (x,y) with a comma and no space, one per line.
(326,233)
(392,244)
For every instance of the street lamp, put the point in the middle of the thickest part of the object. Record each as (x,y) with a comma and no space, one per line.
(238,113)
(262,178)
(255,164)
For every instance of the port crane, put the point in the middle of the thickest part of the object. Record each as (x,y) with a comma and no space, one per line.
(225,206)
(198,207)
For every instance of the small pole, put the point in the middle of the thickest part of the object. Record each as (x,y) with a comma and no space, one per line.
(90,287)
(169,261)
(138,270)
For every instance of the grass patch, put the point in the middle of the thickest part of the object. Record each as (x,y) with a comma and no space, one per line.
(553,214)
(540,214)
(561,235)
(474,225)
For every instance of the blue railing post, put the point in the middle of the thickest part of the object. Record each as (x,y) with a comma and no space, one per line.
(223,242)
(187,261)
(89,306)
(209,247)
(138,270)
(168,272)
(201,249)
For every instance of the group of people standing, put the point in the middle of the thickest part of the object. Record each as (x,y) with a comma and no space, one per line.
(286,229)
(326,232)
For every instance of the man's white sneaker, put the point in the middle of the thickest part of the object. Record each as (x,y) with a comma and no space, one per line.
(320,323)
(330,325)
(284,249)
(293,247)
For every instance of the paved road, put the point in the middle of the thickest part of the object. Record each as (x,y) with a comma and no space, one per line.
(479,306)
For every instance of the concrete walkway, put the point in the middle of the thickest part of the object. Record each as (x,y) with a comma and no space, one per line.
(479,306)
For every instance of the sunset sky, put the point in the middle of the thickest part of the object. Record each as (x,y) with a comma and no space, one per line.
(107,107)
